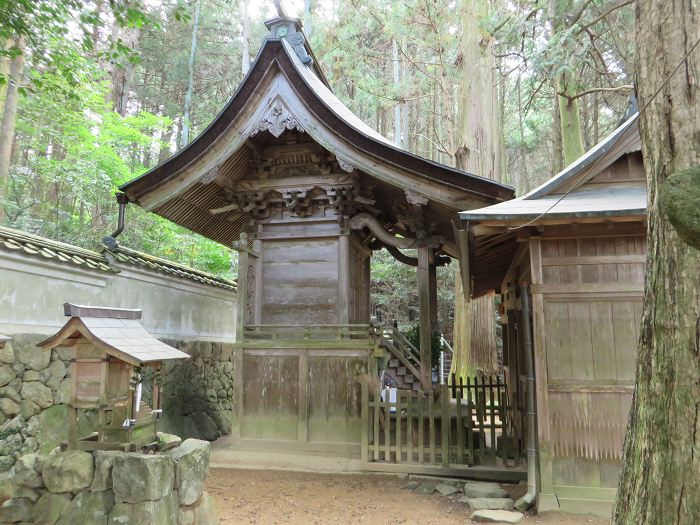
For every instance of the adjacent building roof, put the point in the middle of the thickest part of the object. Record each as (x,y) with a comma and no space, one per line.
(117,331)
(566,196)
(107,261)
(584,202)
(285,90)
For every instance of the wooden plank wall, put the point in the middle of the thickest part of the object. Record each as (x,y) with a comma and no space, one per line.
(299,274)
(587,288)
(308,398)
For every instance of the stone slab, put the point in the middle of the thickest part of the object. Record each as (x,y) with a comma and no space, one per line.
(496,516)
(488,503)
(446,489)
(483,489)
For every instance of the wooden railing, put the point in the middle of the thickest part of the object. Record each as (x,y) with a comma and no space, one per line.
(399,347)
(288,332)
(456,424)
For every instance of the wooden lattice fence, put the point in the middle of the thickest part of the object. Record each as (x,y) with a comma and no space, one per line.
(458,424)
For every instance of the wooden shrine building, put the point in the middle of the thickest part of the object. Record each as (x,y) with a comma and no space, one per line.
(305,191)
(572,252)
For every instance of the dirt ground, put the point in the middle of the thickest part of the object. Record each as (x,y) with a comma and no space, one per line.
(274,497)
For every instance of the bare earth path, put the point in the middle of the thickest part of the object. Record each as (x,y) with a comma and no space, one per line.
(275,497)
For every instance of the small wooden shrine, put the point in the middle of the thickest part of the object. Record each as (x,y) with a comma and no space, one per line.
(305,191)
(115,369)
(568,259)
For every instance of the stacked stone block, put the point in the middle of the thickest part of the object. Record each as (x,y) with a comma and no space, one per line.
(113,488)
(34,390)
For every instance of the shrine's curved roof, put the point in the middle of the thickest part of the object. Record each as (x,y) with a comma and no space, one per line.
(295,63)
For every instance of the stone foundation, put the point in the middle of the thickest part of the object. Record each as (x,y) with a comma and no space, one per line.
(113,488)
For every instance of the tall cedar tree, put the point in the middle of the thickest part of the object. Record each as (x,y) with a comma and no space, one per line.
(660,480)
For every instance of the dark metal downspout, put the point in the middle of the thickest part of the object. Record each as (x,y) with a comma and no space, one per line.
(110,242)
(528,500)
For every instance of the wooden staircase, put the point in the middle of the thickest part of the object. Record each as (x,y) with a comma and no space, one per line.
(404,366)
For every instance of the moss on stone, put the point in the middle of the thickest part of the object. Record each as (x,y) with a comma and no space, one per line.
(680,200)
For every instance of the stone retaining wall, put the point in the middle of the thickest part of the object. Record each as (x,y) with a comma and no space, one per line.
(34,390)
(113,488)
(198,392)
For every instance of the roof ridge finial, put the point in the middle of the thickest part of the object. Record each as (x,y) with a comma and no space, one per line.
(290,29)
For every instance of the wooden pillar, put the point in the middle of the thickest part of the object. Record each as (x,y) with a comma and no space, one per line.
(425,294)
(242,292)
(242,247)
(432,275)
(344,283)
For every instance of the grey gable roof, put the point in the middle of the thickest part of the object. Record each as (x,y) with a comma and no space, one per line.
(543,202)
(107,261)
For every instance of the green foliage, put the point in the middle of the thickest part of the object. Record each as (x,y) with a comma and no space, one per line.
(413,336)
(32,26)
(77,151)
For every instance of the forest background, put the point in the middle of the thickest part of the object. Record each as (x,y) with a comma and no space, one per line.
(96,92)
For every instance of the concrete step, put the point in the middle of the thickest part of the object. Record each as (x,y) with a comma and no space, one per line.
(408,378)
(393,363)
(401,370)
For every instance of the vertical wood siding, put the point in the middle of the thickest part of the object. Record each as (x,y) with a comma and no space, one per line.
(591,295)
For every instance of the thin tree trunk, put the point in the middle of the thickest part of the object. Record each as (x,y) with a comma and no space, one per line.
(660,480)
(9,119)
(524,182)
(557,158)
(185,139)
(308,17)
(4,73)
(123,74)
(398,140)
(96,26)
(245,37)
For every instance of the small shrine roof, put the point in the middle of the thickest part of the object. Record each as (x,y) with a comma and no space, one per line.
(118,331)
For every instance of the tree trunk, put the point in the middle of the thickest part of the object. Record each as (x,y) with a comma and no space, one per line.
(245,37)
(659,483)
(9,119)
(398,139)
(96,26)
(569,117)
(565,85)
(4,73)
(308,17)
(123,73)
(474,335)
(185,138)
(478,152)
(478,145)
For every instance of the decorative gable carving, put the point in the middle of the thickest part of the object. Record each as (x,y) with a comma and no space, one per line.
(277,119)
